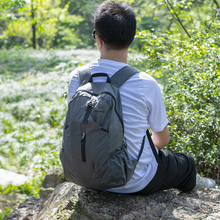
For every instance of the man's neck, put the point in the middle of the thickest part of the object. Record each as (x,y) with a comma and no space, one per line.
(115,55)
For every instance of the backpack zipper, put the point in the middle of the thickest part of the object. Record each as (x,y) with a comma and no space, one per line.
(83,147)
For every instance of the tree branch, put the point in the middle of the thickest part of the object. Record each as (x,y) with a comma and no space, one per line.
(175,16)
(217,13)
(215,1)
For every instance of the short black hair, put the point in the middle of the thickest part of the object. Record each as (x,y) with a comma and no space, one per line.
(115,23)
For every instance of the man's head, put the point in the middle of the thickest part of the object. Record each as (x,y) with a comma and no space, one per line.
(115,23)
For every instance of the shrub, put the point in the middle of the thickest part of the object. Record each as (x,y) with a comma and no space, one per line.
(191,92)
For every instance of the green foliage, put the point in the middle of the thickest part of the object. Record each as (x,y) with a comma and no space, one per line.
(32,111)
(15,4)
(193,94)
(70,22)
(6,212)
(30,106)
(191,79)
(86,10)
(21,63)
(26,189)
(54,25)
(21,193)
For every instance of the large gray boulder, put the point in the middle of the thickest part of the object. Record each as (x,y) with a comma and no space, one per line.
(70,201)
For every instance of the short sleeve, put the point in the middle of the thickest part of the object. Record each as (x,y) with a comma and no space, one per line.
(157,114)
(73,85)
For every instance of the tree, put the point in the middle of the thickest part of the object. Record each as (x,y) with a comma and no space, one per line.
(33,24)
(38,23)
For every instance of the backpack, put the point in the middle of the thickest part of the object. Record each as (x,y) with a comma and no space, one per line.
(94,150)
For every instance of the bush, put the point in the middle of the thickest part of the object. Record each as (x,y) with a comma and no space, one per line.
(191,92)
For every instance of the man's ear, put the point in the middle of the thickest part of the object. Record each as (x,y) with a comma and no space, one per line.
(99,41)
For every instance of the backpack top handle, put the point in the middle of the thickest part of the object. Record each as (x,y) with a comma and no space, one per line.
(100,74)
(118,79)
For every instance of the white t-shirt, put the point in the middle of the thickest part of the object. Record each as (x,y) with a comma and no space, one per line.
(143,108)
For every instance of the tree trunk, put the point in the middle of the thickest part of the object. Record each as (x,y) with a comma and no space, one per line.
(33,25)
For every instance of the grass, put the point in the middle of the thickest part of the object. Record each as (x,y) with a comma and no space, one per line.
(32,111)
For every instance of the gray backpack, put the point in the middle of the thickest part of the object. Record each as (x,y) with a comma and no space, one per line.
(94,150)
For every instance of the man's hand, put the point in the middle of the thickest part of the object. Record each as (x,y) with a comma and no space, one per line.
(161,139)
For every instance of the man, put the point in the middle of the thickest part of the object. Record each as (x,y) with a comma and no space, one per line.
(142,105)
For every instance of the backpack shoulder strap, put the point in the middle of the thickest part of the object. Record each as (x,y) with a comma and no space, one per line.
(152,147)
(83,74)
(122,75)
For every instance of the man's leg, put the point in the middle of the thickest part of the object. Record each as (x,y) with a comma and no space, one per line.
(181,172)
(176,170)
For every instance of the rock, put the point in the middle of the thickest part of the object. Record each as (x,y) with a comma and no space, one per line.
(44,192)
(52,179)
(8,177)
(169,204)
(62,202)
(70,201)
(27,209)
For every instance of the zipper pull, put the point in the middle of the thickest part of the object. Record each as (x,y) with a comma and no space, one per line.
(83,136)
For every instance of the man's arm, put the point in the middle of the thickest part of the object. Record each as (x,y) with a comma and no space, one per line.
(161,138)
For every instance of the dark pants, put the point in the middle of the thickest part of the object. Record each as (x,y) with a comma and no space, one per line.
(176,170)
